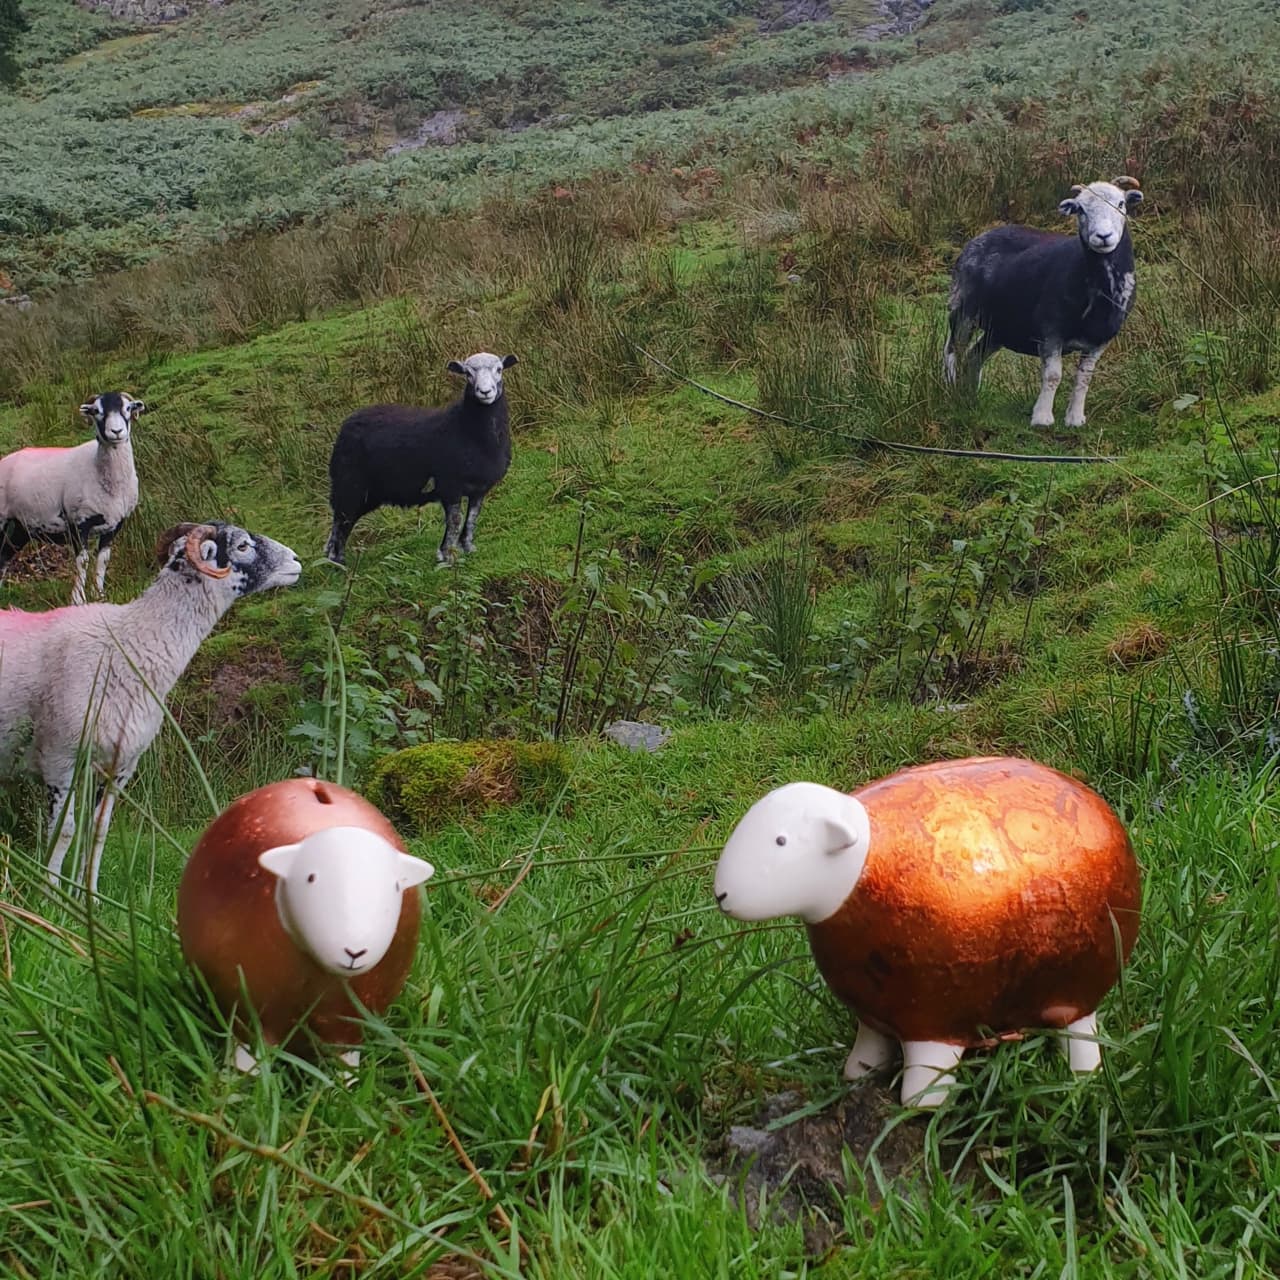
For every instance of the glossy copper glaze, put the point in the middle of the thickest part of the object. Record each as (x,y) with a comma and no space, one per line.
(231,932)
(994,895)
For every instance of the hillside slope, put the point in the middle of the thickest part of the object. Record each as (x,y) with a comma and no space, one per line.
(259,115)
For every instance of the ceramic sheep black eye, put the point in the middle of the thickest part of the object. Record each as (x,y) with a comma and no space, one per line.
(781,840)
(311,879)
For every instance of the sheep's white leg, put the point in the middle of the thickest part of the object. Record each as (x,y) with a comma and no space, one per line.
(102,820)
(1078,1042)
(452,528)
(1050,376)
(959,334)
(351,1063)
(100,569)
(469,529)
(82,572)
(62,827)
(1084,375)
(928,1071)
(977,355)
(871,1051)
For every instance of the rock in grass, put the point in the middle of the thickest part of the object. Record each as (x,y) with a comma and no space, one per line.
(422,788)
(636,736)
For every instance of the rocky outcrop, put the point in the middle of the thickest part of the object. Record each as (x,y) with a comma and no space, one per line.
(148,12)
(899,18)
(792,13)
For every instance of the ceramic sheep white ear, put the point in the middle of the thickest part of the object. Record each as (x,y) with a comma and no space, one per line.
(414,870)
(279,860)
(835,834)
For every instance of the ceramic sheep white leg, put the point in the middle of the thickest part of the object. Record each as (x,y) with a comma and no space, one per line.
(928,1071)
(871,1051)
(1076,1040)
(245,1061)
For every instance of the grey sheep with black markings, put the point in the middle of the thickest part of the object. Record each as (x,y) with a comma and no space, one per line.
(74,495)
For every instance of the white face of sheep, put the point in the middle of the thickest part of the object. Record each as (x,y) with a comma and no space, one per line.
(246,562)
(1100,210)
(339,893)
(799,851)
(112,415)
(483,373)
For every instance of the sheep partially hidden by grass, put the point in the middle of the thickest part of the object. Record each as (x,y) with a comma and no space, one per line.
(397,455)
(93,678)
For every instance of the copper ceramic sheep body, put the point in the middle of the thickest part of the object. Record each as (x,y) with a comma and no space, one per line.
(234,929)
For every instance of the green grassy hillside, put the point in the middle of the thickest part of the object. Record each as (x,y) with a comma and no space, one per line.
(790,601)
(262,116)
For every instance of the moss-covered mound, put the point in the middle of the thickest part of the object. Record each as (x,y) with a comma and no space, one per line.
(424,787)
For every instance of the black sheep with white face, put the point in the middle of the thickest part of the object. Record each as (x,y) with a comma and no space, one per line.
(1042,294)
(398,455)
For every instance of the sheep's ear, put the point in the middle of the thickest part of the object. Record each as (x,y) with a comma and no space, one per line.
(1132,198)
(508,361)
(456,366)
(136,407)
(279,860)
(836,836)
(91,409)
(411,870)
(1068,207)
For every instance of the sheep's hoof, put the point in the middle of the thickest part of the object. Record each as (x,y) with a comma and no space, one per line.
(1069,421)
(1041,420)
(246,1063)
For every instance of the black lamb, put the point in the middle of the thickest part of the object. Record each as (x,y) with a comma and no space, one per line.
(399,455)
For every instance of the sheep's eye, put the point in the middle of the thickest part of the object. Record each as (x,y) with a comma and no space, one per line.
(311,879)
(397,886)
(244,546)
(780,841)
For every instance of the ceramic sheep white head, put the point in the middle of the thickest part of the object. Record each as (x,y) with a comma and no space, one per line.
(797,852)
(339,893)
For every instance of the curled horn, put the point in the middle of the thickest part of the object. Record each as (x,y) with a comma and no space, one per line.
(167,539)
(195,537)
(1125,183)
(1076,189)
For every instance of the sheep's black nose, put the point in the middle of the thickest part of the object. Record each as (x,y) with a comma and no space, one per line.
(720,897)
(355,955)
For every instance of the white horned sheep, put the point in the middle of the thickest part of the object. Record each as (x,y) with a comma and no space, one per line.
(397,455)
(73,495)
(1043,294)
(92,679)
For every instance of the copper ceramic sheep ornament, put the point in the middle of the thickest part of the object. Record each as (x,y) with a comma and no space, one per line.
(948,905)
(299,896)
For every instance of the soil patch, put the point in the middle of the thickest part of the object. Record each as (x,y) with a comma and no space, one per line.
(801,1166)
(233,680)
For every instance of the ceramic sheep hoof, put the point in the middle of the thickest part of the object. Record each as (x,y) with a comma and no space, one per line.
(947,905)
(300,897)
